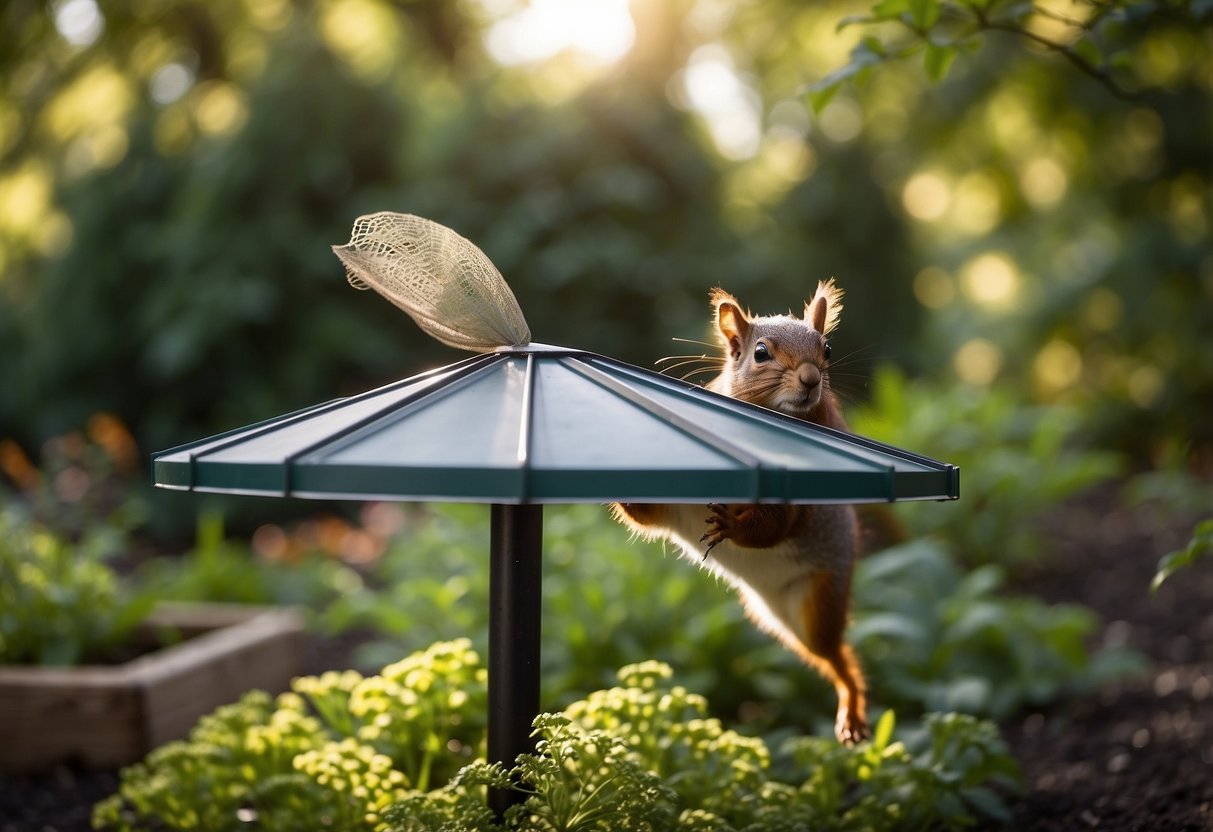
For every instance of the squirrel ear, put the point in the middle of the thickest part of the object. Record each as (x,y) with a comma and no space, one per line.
(823,311)
(732,323)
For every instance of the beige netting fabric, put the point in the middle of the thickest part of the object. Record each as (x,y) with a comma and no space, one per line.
(449,287)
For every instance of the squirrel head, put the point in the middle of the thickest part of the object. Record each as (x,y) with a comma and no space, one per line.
(777,361)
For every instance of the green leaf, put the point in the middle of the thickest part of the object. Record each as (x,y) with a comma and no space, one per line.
(937,59)
(821,93)
(866,54)
(924,13)
(1200,546)
(887,9)
(868,51)
(855,19)
(888,625)
(988,803)
(884,730)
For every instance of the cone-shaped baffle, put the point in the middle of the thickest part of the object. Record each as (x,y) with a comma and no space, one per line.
(541,424)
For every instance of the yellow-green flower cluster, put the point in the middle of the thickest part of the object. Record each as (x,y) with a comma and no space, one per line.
(426,712)
(643,755)
(668,731)
(363,780)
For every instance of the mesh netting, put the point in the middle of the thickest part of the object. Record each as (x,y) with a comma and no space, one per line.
(449,287)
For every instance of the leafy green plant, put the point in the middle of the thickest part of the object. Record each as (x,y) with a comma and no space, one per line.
(1169,490)
(931,636)
(644,754)
(937,638)
(60,604)
(1017,461)
(1199,547)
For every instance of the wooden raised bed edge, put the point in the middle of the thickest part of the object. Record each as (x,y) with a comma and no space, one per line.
(107,716)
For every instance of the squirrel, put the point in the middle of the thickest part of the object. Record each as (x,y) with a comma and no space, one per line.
(791,564)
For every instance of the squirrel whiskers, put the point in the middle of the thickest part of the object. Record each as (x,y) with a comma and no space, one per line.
(791,564)
(697,363)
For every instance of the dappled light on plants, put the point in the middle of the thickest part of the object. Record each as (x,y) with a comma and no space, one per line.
(601,31)
(683,156)
(978,361)
(102,96)
(1135,147)
(1017,196)
(1058,366)
(731,108)
(366,35)
(1043,182)
(934,288)
(926,196)
(218,109)
(991,280)
(841,121)
(25,201)
(976,205)
(170,82)
(80,22)
(1102,310)
(1145,384)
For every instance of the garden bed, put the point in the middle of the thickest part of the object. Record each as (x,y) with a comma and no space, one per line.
(101,716)
(1135,755)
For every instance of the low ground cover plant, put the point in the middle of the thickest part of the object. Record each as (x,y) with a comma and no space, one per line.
(403,750)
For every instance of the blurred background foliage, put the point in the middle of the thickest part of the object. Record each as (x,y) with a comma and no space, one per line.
(172,174)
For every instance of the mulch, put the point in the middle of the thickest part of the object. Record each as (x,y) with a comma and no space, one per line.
(1134,756)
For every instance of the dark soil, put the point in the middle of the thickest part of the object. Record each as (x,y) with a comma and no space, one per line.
(1138,754)
(1135,756)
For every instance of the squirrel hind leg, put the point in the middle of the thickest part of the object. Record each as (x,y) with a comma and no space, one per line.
(824,612)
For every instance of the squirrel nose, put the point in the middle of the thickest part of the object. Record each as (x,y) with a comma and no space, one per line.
(808,374)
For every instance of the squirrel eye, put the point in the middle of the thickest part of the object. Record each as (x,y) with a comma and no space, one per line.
(760,353)
(825,351)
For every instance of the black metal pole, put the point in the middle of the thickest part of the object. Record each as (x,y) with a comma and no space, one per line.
(515,599)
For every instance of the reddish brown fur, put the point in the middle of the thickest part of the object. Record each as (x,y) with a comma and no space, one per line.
(793,378)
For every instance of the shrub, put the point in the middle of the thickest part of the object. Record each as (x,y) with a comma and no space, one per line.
(1017,461)
(644,754)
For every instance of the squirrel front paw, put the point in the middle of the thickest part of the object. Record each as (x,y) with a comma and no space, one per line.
(722,521)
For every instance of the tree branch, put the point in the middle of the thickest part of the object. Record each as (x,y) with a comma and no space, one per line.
(1097,72)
